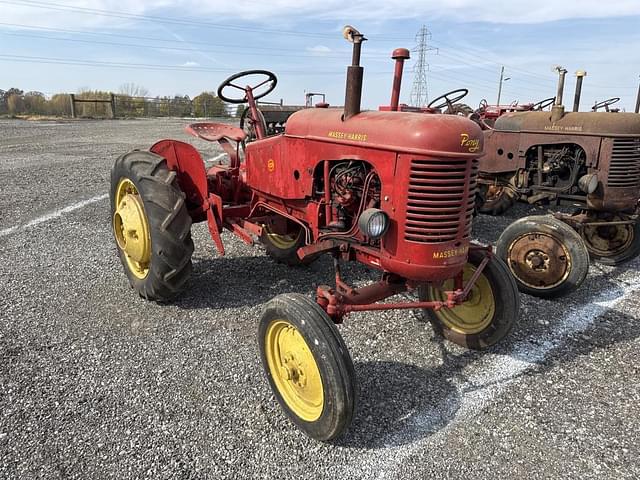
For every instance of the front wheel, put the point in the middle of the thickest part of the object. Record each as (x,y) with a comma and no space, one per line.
(612,244)
(488,314)
(308,366)
(547,257)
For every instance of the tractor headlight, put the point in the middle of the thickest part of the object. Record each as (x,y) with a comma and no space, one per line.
(373,223)
(588,183)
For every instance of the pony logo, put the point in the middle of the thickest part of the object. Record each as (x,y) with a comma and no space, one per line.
(472,144)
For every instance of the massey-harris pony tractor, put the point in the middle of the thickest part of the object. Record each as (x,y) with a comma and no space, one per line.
(392,190)
(587,160)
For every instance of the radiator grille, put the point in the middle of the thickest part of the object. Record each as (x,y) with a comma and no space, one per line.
(624,170)
(439,201)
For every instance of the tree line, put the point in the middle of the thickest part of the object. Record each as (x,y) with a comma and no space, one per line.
(131,101)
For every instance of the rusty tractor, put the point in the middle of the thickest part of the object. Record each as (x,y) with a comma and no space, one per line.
(606,104)
(389,189)
(586,160)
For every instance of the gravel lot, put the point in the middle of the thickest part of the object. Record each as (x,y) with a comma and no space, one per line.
(97,383)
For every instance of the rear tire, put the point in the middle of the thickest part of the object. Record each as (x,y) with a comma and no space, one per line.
(307,365)
(547,258)
(488,315)
(160,267)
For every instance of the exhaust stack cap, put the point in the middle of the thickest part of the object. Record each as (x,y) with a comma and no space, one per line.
(400,53)
(352,35)
(581,73)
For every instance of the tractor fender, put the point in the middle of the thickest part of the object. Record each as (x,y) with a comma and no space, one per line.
(184,159)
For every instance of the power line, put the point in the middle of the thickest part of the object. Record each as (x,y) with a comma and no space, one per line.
(171,21)
(148,66)
(182,49)
(482,53)
(136,37)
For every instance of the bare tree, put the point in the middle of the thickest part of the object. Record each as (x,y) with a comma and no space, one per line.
(133,90)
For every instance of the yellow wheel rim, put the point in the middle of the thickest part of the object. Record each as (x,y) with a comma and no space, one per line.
(131,228)
(294,370)
(476,313)
(283,242)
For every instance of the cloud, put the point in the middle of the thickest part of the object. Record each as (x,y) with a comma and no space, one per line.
(319,49)
(190,64)
(292,11)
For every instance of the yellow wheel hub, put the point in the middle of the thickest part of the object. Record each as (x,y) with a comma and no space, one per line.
(294,370)
(476,313)
(283,242)
(131,228)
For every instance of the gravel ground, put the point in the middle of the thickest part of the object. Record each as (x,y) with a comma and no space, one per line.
(97,383)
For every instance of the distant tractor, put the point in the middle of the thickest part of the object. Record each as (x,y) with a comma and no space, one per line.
(392,190)
(273,116)
(488,114)
(587,160)
(606,104)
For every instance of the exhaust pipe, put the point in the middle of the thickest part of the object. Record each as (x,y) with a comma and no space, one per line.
(580,74)
(557,111)
(353,95)
(399,55)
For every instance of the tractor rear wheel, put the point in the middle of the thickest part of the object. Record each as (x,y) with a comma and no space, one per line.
(308,366)
(495,199)
(489,313)
(547,257)
(151,225)
(283,247)
(612,244)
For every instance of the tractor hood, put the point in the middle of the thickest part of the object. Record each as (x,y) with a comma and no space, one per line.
(574,123)
(419,133)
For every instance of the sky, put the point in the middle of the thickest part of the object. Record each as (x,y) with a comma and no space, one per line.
(189,46)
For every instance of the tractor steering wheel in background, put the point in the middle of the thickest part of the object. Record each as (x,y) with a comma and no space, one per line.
(270,83)
(605,104)
(448,102)
(542,104)
(482,106)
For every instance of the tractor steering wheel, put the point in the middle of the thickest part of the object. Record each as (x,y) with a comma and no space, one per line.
(270,83)
(448,102)
(483,105)
(605,104)
(542,104)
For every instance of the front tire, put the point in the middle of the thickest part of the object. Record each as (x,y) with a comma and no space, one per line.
(307,365)
(489,313)
(151,225)
(547,258)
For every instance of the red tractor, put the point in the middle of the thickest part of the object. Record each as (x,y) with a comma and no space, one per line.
(392,190)
(490,113)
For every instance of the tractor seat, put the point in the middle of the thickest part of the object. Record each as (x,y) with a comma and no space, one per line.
(212,132)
